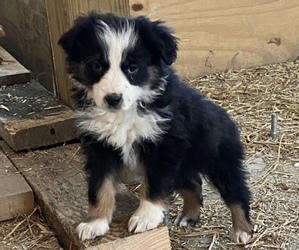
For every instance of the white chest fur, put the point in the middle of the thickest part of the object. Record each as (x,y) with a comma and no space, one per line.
(121,129)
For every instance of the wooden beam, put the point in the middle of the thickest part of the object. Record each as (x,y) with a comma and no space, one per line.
(157,239)
(16,196)
(27,37)
(59,183)
(217,35)
(11,71)
(61,14)
(59,23)
(30,117)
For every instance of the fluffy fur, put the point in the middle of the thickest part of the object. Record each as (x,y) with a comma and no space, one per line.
(133,112)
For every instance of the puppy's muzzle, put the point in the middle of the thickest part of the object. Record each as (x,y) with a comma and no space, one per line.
(113,100)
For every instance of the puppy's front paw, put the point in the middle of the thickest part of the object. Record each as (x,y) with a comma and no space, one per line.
(92,229)
(241,237)
(147,216)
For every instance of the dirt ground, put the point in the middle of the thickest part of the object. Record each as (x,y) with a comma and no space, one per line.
(250,96)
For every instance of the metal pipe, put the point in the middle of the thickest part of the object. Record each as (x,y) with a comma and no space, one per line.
(274,126)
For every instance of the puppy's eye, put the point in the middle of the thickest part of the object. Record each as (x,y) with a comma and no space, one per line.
(132,69)
(96,66)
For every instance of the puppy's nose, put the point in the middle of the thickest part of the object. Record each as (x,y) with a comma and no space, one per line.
(113,100)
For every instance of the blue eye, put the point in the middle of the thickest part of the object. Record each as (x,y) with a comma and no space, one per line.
(132,69)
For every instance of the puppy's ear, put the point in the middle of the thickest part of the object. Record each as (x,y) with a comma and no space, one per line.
(159,38)
(75,39)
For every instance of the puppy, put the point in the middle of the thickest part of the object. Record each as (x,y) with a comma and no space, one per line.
(134,114)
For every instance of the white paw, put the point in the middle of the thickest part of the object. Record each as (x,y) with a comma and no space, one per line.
(147,216)
(185,221)
(181,221)
(241,237)
(92,229)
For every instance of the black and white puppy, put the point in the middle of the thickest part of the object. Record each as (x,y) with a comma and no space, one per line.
(134,113)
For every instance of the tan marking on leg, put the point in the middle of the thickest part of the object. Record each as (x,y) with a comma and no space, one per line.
(106,202)
(239,220)
(143,190)
(144,195)
(192,204)
(100,215)
(242,229)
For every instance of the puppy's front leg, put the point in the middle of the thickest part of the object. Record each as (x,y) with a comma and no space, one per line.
(101,167)
(149,214)
(158,185)
(100,214)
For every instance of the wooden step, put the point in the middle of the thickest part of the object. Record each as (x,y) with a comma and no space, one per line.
(11,71)
(16,196)
(59,184)
(30,117)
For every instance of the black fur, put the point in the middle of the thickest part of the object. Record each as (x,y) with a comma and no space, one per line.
(200,138)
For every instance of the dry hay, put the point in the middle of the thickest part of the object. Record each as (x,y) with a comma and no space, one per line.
(27,233)
(251,96)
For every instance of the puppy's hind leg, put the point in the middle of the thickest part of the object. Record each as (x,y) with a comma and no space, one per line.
(229,179)
(191,193)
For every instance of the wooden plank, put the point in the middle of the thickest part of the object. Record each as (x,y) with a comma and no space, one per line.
(11,71)
(31,117)
(27,37)
(16,197)
(59,184)
(61,14)
(217,35)
(151,240)
(58,20)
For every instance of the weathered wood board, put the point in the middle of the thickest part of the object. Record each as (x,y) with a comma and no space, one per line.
(30,117)
(217,35)
(157,239)
(16,196)
(59,184)
(27,37)
(11,71)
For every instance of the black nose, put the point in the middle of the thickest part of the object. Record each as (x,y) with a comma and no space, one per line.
(113,100)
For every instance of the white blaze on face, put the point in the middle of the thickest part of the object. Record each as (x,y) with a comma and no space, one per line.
(125,126)
(114,80)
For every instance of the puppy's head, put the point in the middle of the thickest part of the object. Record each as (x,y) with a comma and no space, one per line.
(119,61)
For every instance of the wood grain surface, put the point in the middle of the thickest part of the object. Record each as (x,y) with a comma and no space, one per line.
(16,196)
(218,35)
(30,117)
(11,71)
